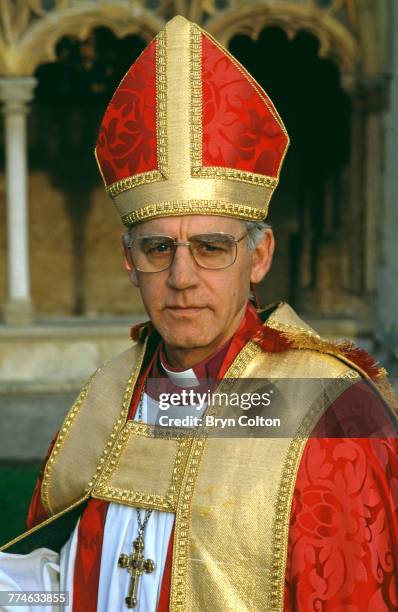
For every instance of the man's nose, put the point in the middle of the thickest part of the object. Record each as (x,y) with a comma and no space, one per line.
(183,270)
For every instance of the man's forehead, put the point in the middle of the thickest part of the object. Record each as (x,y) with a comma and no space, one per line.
(188,224)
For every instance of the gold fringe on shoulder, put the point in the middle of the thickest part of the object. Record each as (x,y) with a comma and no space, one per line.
(365,364)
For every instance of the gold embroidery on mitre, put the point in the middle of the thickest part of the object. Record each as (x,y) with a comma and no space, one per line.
(219,172)
(196,132)
(194,207)
(244,176)
(209,190)
(257,87)
(161,102)
(134,181)
(152,176)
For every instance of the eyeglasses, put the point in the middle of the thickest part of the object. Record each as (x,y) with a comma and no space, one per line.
(211,251)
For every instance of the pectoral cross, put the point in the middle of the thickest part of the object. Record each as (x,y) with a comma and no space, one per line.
(136,565)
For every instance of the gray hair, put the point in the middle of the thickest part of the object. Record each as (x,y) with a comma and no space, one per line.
(255,232)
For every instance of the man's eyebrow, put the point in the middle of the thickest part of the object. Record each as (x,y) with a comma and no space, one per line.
(204,233)
(158,235)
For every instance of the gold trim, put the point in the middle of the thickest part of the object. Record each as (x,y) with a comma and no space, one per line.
(161,174)
(275,592)
(99,165)
(351,374)
(195,55)
(182,191)
(280,527)
(120,421)
(59,443)
(166,502)
(197,168)
(246,355)
(217,172)
(182,528)
(51,519)
(178,592)
(290,329)
(130,182)
(281,522)
(180,181)
(306,339)
(195,207)
(260,91)
(161,103)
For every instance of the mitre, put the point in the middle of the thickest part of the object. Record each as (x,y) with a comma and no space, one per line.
(189,131)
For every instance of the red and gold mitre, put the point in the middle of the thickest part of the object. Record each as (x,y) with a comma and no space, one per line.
(189,131)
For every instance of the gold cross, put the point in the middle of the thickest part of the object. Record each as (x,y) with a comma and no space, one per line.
(136,565)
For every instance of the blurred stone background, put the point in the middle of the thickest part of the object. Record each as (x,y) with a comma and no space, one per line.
(66,305)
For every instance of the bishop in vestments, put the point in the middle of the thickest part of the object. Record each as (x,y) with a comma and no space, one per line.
(129,514)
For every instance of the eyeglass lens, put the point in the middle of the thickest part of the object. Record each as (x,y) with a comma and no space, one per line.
(156,253)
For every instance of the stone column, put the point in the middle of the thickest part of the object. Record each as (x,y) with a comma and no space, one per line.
(376,103)
(387,298)
(354,220)
(15,93)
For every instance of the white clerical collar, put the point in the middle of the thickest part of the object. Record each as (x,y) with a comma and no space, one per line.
(184,378)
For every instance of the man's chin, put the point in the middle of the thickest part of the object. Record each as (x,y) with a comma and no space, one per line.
(186,333)
(188,341)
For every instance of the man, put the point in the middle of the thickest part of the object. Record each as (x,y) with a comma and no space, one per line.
(190,149)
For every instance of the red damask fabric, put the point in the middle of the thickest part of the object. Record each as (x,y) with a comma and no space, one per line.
(343,540)
(88,556)
(126,142)
(240,129)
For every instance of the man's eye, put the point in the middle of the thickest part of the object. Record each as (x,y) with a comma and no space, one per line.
(157,247)
(161,248)
(212,247)
(208,246)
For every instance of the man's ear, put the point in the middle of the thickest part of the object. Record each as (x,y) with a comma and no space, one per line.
(262,256)
(128,264)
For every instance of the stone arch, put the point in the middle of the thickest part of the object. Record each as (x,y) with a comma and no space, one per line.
(38,44)
(336,41)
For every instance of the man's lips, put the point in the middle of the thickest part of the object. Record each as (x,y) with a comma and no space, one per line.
(185,309)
